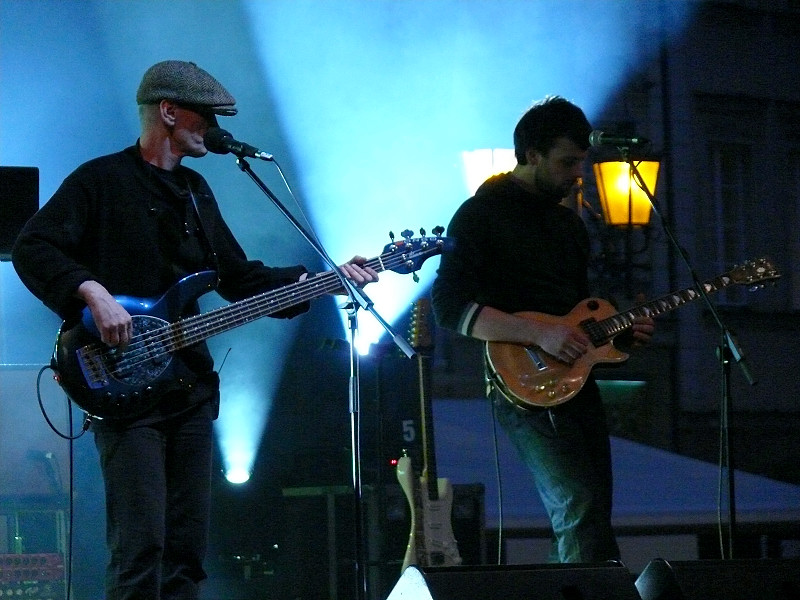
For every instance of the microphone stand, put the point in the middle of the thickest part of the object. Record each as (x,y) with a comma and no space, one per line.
(357,299)
(729,349)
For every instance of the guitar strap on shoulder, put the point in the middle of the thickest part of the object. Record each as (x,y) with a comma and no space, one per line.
(489,379)
(202,230)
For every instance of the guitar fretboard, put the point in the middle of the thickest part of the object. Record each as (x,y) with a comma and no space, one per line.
(161,341)
(600,332)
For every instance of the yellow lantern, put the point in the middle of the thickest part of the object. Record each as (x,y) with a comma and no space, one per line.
(623,201)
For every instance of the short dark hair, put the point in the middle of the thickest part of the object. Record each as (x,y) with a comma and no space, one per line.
(545,121)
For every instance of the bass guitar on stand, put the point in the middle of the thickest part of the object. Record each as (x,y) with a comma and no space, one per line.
(431,541)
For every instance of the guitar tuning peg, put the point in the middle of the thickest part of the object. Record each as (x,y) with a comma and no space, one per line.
(415,277)
(422,231)
(391,236)
(438,230)
(407,234)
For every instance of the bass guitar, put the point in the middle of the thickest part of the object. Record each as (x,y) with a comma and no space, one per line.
(529,377)
(109,383)
(430,498)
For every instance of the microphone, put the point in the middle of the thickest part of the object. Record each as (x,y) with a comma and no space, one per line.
(219,141)
(599,138)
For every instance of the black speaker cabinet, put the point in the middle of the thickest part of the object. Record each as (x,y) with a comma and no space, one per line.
(756,579)
(19,199)
(606,581)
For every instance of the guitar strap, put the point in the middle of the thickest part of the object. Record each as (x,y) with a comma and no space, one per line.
(202,230)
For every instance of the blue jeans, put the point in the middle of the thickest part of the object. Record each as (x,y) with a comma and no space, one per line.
(157,483)
(567,449)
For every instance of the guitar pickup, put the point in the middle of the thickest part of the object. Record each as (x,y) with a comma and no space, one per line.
(535,358)
(94,372)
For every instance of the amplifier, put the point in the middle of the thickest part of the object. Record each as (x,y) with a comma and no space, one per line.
(33,590)
(34,568)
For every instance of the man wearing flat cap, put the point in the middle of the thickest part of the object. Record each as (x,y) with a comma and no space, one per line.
(132,225)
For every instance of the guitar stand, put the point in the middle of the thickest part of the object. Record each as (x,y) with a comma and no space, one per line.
(357,299)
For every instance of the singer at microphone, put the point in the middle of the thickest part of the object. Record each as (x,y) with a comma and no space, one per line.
(599,138)
(154,221)
(219,141)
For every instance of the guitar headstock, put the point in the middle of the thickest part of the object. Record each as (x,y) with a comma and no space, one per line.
(419,335)
(415,251)
(754,273)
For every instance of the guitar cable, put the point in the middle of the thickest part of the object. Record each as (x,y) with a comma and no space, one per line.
(70,437)
(499,477)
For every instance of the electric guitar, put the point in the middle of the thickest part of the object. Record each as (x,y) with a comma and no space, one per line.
(430,498)
(529,377)
(121,384)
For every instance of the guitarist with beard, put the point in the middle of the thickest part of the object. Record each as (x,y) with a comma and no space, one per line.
(518,249)
(134,223)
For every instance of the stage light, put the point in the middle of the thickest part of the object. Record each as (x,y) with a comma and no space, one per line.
(237,475)
(481,164)
(249,380)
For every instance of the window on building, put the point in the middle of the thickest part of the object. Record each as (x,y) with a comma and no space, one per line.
(732,181)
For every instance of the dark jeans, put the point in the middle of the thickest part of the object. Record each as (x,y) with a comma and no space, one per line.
(568,451)
(157,482)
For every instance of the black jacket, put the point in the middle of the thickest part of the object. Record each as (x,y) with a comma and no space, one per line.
(130,226)
(515,252)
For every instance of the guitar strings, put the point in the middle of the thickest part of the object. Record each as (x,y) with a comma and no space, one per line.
(139,351)
(156,343)
(173,336)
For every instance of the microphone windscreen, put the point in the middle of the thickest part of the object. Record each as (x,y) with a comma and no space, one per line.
(595,138)
(214,140)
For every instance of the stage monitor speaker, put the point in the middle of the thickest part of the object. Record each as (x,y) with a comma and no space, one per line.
(19,199)
(756,579)
(604,581)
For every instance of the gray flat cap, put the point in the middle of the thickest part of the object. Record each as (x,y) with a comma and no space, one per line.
(185,83)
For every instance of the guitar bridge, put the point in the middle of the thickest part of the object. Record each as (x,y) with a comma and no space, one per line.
(92,367)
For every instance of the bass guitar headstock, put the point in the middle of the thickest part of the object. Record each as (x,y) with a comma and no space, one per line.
(415,251)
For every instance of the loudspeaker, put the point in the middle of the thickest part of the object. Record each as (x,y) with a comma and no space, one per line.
(606,581)
(19,199)
(761,579)
(393,424)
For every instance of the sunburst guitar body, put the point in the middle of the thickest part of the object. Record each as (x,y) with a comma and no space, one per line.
(531,378)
